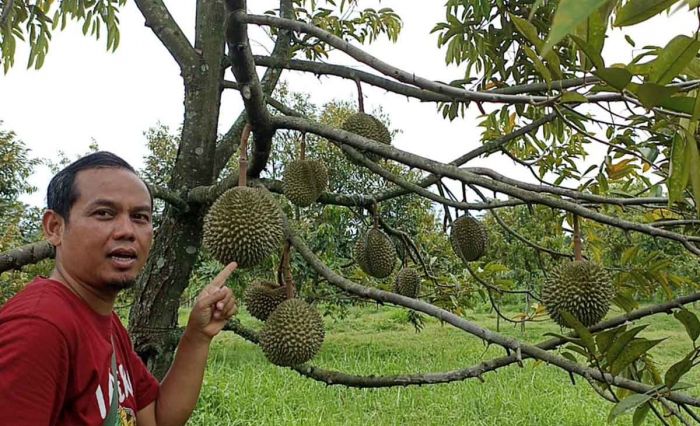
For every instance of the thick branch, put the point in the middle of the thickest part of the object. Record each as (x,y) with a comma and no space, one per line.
(510,187)
(544,87)
(168,196)
(471,328)
(229,142)
(163,25)
(455,93)
(417,189)
(26,255)
(372,381)
(243,68)
(352,74)
(487,148)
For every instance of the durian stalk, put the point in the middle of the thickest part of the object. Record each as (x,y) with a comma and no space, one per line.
(243,158)
(375,215)
(360,98)
(288,280)
(577,239)
(302,147)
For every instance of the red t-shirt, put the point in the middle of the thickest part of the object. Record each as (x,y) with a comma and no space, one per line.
(55,361)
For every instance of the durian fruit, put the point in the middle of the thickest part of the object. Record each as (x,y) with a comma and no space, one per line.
(375,253)
(407,282)
(243,225)
(292,334)
(304,181)
(468,238)
(582,288)
(368,126)
(261,298)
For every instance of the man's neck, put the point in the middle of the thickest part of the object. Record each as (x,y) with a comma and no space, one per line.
(100,302)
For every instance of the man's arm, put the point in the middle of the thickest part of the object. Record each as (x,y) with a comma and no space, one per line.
(180,388)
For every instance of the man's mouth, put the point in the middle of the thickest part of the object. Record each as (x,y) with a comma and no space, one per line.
(122,258)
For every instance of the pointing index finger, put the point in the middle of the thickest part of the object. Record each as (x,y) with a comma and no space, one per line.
(222,276)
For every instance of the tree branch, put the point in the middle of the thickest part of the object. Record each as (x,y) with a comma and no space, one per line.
(372,381)
(462,324)
(468,176)
(487,148)
(282,49)
(26,255)
(455,93)
(251,90)
(168,196)
(520,236)
(163,25)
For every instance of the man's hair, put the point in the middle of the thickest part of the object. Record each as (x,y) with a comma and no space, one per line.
(62,194)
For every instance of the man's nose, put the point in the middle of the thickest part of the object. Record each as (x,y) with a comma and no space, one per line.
(123,228)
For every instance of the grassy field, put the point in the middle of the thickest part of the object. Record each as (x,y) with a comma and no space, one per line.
(242,388)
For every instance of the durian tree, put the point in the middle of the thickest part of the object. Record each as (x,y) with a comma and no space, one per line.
(535,72)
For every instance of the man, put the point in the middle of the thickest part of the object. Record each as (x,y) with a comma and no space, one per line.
(62,346)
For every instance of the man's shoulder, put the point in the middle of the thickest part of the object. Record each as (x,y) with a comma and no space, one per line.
(43,299)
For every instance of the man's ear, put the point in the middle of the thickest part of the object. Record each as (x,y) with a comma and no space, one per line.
(54,225)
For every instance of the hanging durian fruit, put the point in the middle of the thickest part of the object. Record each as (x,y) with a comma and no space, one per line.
(304,180)
(292,334)
(261,298)
(468,238)
(244,224)
(367,125)
(407,282)
(375,252)
(582,288)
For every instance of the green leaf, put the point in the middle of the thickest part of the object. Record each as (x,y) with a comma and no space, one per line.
(625,302)
(694,158)
(590,51)
(605,338)
(636,11)
(673,59)
(592,31)
(684,104)
(679,173)
(632,352)
(632,401)
(690,322)
(620,343)
(572,97)
(652,94)
(527,30)
(569,14)
(640,413)
(676,371)
(692,69)
(539,65)
(580,329)
(618,78)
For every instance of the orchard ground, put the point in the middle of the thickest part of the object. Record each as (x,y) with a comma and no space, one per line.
(242,388)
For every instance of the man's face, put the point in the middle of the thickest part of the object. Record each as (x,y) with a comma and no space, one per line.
(108,235)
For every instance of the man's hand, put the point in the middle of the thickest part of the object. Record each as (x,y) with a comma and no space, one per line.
(214,306)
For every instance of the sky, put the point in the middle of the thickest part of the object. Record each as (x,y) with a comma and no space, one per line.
(84,94)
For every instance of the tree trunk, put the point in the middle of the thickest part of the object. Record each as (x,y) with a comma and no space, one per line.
(153,317)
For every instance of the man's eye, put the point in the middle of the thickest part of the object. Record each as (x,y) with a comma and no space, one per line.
(142,217)
(103,213)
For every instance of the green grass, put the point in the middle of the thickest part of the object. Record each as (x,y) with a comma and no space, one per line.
(242,388)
